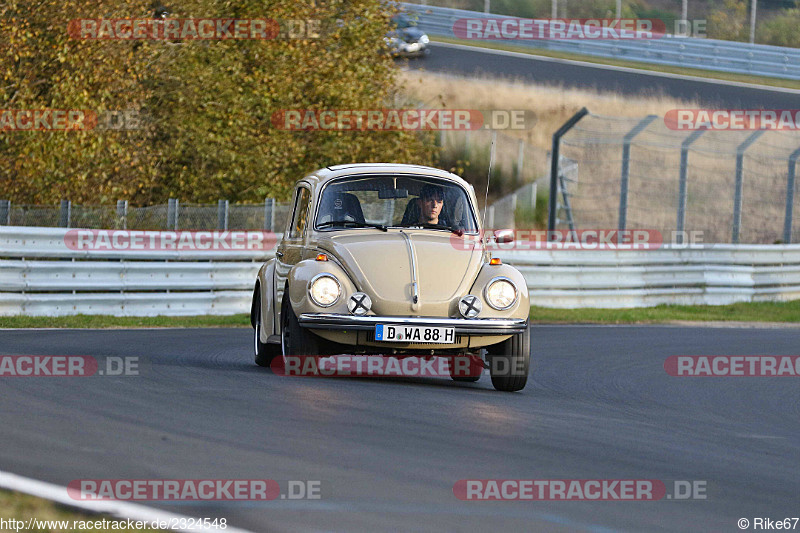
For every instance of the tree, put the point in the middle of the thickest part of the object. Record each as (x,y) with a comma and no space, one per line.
(729,23)
(205,105)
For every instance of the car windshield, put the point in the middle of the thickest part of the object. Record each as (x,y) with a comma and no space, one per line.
(403,21)
(395,201)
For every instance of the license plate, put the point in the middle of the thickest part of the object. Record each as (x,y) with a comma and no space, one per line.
(422,334)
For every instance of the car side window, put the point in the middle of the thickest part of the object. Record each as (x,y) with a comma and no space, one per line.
(300,213)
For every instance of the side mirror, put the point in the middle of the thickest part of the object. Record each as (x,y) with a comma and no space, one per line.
(503,236)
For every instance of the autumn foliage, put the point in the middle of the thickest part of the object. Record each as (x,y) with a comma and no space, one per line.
(204,106)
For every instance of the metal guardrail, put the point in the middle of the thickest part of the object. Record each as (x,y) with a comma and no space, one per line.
(714,275)
(710,54)
(61,281)
(125,283)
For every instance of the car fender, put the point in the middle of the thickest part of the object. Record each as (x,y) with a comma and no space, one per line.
(301,275)
(265,287)
(521,309)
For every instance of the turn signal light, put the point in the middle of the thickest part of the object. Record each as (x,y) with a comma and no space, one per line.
(495,261)
(322,257)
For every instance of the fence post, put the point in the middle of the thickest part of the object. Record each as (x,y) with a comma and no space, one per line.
(222,214)
(626,157)
(5,212)
(787,223)
(122,214)
(64,214)
(520,162)
(554,157)
(172,214)
(269,214)
(737,195)
(682,191)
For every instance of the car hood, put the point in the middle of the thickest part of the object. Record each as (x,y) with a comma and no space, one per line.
(380,264)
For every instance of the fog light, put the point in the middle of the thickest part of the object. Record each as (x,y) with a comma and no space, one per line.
(359,304)
(470,306)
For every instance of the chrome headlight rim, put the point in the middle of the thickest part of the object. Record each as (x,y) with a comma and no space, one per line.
(314,280)
(492,282)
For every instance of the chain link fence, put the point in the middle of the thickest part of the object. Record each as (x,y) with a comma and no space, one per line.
(270,216)
(636,173)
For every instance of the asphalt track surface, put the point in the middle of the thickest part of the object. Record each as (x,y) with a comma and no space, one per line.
(387,452)
(476,62)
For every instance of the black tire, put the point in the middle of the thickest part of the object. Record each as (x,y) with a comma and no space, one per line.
(510,361)
(296,340)
(264,351)
(475,370)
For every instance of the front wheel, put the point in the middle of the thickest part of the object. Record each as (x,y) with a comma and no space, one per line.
(510,361)
(296,340)
(466,368)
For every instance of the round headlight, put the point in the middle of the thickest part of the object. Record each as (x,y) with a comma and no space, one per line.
(501,293)
(424,39)
(324,289)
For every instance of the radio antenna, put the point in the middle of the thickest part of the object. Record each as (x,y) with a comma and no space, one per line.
(488,178)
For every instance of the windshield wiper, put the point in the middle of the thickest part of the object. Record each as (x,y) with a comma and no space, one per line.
(427,225)
(353,223)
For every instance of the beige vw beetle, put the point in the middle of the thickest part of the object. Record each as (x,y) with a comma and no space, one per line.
(388,260)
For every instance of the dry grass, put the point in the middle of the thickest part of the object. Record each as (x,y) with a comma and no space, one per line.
(596,142)
(553,105)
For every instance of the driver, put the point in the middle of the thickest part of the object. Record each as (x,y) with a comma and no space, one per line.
(431,201)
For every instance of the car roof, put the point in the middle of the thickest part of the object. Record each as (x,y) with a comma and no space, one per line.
(337,171)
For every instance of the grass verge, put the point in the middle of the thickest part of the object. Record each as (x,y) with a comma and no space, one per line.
(741,312)
(727,76)
(101,321)
(786,312)
(22,507)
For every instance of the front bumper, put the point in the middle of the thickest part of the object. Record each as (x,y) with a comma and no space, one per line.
(475,326)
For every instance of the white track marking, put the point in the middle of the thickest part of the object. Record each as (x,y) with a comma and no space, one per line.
(117,509)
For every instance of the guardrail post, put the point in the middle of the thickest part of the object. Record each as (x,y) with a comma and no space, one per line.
(122,214)
(64,214)
(554,156)
(222,214)
(269,214)
(172,214)
(787,222)
(737,195)
(626,157)
(683,191)
(5,212)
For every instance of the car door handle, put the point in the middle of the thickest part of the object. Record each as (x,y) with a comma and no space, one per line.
(279,254)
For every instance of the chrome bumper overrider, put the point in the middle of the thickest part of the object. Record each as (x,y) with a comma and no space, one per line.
(475,326)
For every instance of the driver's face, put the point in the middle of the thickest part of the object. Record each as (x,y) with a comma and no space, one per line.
(430,209)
